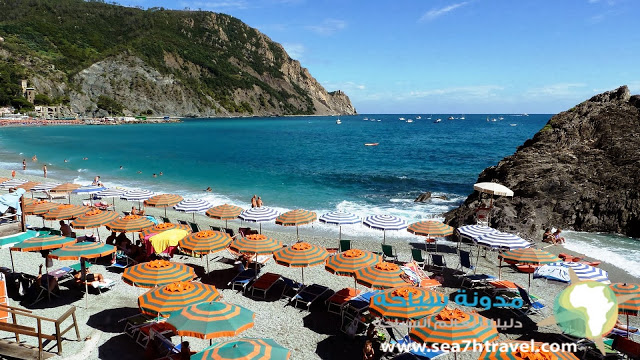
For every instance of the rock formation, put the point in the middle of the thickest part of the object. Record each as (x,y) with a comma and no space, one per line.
(580,172)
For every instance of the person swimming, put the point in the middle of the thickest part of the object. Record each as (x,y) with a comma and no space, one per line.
(208,189)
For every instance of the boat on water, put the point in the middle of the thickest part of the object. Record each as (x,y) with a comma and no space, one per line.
(450,118)
(371,144)
(500,118)
(366,118)
(401,118)
(418,117)
(338,122)
(525,114)
(409,121)
(462,117)
(437,120)
(513,124)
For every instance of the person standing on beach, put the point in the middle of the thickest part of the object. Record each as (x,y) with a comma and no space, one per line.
(44,169)
(24,164)
(259,201)
(254,201)
(13,173)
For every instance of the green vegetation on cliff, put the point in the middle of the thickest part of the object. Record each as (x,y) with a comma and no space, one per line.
(213,51)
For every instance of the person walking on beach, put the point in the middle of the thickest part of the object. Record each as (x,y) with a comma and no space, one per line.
(13,173)
(254,201)
(24,164)
(259,202)
(44,169)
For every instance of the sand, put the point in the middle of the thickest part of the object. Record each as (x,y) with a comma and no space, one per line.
(309,334)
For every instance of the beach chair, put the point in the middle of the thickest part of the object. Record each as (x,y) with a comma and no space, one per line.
(144,332)
(389,252)
(194,227)
(230,232)
(416,255)
(482,216)
(264,283)
(101,287)
(36,293)
(355,310)
(133,324)
(244,231)
(121,260)
(165,219)
(309,295)
(345,245)
(337,300)
(243,279)
(164,346)
(531,305)
(627,347)
(291,288)
(215,228)
(182,222)
(438,262)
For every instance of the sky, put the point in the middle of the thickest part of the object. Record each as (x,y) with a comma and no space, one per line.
(450,56)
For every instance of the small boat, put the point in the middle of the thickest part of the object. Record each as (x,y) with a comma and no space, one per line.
(513,124)
(418,117)
(450,118)
(500,118)
(371,144)
(409,121)
(401,118)
(338,122)
(462,117)
(366,118)
(525,114)
(437,120)
(378,120)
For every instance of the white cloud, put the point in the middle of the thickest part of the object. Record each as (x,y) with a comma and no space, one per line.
(434,13)
(347,86)
(557,90)
(476,91)
(295,50)
(328,27)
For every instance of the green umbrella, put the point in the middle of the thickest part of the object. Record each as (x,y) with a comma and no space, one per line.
(245,349)
(208,320)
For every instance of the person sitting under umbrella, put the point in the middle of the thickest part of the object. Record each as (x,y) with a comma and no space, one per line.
(557,239)
(65,229)
(89,277)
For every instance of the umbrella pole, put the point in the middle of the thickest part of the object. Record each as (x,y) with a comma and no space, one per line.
(83,268)
(11,255)
(384,236)
(260,228)
(477,259)
(339,234)
(627,326)
(529,286)
(500,270)
(165,211)
(226,224)
(194,216)
(302,268)
(207,263)
(297,234)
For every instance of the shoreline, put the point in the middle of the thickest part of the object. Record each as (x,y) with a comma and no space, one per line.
(308,334)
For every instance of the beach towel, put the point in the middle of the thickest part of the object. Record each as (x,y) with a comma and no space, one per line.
(169,238)
(11,200)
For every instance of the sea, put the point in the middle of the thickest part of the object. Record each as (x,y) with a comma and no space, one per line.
(300,162)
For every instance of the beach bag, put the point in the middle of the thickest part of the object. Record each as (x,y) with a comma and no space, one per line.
(352,328)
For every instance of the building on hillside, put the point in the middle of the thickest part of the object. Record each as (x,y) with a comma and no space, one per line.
(30,95)
(48,112)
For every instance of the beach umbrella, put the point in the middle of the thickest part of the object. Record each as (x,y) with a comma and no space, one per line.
(43,242)
(66,212)
(224,212)
(137,195)
(209,320)
(65,188)
(11,240)
(3,179)
(94,219)
(162,300)
(28,185)
(382,275)
(522,350)
(39,207)
(12,183)
(453,326)
(129,223)
(89,189)
(162,227)
(630,306)
(406,303)
(471,232)
(205,242)
(111,193)
(192,206)
(347,262)
(493,189)
(163,201)
(256,244)
(430,228)
(301,254)
(502,240)
(244,349)
(340,218)
(83,250)
(528,256)
(259,215)
(384,223)
(44,187)
(559,271)
(28,201)
(296,218)
(157,273)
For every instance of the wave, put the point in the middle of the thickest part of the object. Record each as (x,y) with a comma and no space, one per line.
(617,250)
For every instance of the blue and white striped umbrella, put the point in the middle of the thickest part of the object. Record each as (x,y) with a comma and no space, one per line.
(384,223)
(137,195)
(193,206)
(472,232)
(502,240)
(88,189)
(340,218)
(12,183)
(259,215)
(44,187)
(559,271)
(111,192)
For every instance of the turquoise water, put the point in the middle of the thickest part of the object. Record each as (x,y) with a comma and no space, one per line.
(293,162)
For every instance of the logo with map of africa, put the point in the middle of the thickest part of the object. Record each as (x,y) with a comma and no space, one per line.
(586,309)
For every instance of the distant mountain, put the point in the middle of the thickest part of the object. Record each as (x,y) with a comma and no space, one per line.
(96,58)
(580,172)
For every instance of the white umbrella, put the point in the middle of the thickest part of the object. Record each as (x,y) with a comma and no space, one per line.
(340,218)
(384,223)
(259,215)
(493,189)
(193,206)
(499,240)
(471,232)
(559,271)
(137,195)
(12,183)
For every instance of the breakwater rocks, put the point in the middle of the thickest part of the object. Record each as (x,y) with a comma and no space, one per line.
(580,171)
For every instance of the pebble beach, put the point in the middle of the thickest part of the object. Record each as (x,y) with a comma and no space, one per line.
(309,334)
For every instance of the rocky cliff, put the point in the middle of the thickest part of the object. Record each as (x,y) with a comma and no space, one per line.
(581,172)
(101,58)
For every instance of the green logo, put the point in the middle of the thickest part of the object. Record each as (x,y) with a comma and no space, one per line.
(586,309)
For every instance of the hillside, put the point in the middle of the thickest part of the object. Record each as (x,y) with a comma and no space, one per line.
(580,172)
(97,58)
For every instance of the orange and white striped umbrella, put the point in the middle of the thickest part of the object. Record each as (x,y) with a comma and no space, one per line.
(162,227)
(66,212)
(157,273)
(454,326)
(382,275)
(94,219)
(28,185)
(39,207)
(66,187)
(296,218)
(164,201)
(522,350)
(129,223)
(175,296)
(224,212)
